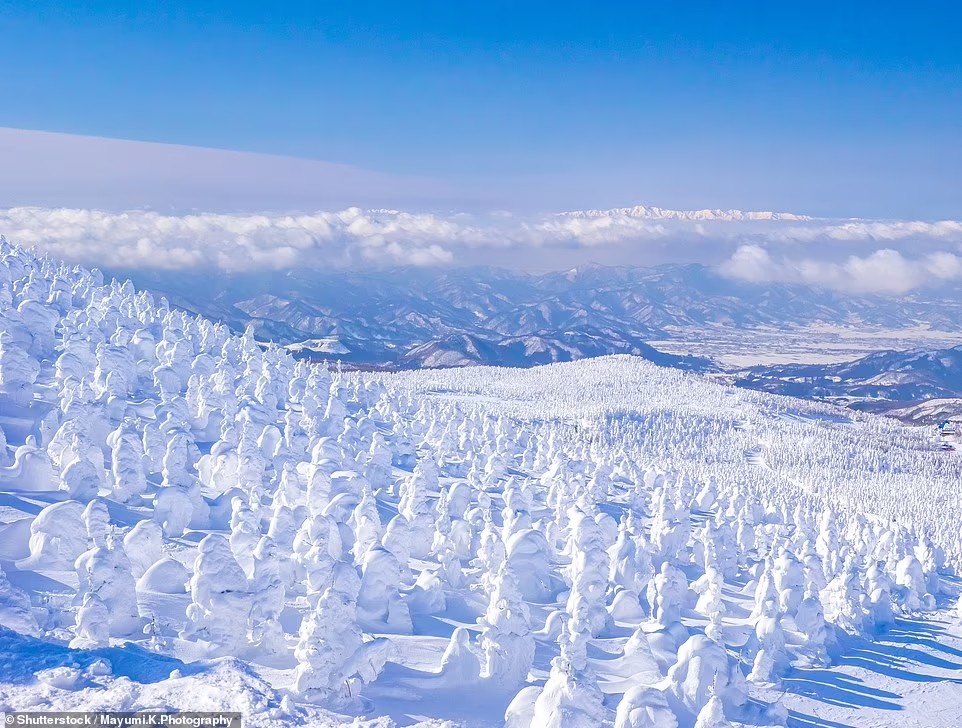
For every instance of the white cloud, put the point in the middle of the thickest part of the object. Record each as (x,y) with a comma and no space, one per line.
(233,242)
(843,254)
(882,271)
(873,231)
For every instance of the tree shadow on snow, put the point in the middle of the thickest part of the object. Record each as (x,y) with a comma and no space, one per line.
(894,654)
(838,689)
(409,696)
(29,501)
(893,665)
(803,720)
(909,626)
(928,642)
(21,657)
(926,634)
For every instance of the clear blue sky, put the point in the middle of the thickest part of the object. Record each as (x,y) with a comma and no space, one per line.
(829,108)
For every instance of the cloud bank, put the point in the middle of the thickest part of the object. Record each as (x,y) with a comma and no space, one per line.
(882,271)
(890,257)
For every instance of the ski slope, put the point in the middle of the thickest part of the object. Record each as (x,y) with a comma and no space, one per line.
(191,520)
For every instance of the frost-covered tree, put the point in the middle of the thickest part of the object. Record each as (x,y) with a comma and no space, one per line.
(366,523)
(379,603)
(788,575)
(58,536)
(178,503)
(667,594)
(16,611)
(841,599)
(506,638)
(710,602)
(588,574)
(770,656)
(910,577)
(877,597)
(571,696)
(80,477)
(810,621)
(712,715)
(630,563)
(127,463)
(316,550)
(244,534)
(220,597)
(827,545)
(18,368)
(93,623)
(644,707)
(105,571)
(143,545)
(702,670)
(415,507)
(267,598)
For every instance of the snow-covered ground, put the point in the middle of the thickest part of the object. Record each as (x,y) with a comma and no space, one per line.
(739,347)
(190,521)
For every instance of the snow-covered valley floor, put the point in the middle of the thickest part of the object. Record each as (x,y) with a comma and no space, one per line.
(190,521)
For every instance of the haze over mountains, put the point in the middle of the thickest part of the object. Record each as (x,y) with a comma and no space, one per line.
(771,336)
(748,295)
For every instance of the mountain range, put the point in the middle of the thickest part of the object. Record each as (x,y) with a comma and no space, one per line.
(660,213)
(442,317)
(401,317)
(887,382)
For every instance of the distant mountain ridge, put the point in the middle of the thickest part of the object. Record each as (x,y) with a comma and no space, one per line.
(413,317)
(660,213)
(892,382)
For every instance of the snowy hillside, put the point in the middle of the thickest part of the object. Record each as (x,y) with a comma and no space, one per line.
(190,520)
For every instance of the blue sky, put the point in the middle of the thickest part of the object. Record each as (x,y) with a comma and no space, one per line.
(828,109)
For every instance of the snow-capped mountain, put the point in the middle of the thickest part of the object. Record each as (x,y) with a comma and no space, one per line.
(660,213)
(414,317)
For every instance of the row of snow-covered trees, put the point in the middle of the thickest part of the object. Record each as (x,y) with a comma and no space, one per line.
(303,517)
(848,462)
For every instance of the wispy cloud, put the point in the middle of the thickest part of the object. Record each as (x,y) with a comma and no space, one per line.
(70,170)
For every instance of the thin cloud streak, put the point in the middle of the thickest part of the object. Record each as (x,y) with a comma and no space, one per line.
(67,170)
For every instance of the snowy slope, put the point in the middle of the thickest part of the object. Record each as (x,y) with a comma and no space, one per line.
(188,519)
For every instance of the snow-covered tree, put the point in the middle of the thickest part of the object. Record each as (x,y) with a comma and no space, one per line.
(220,597)
(379,603)
(506,638)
